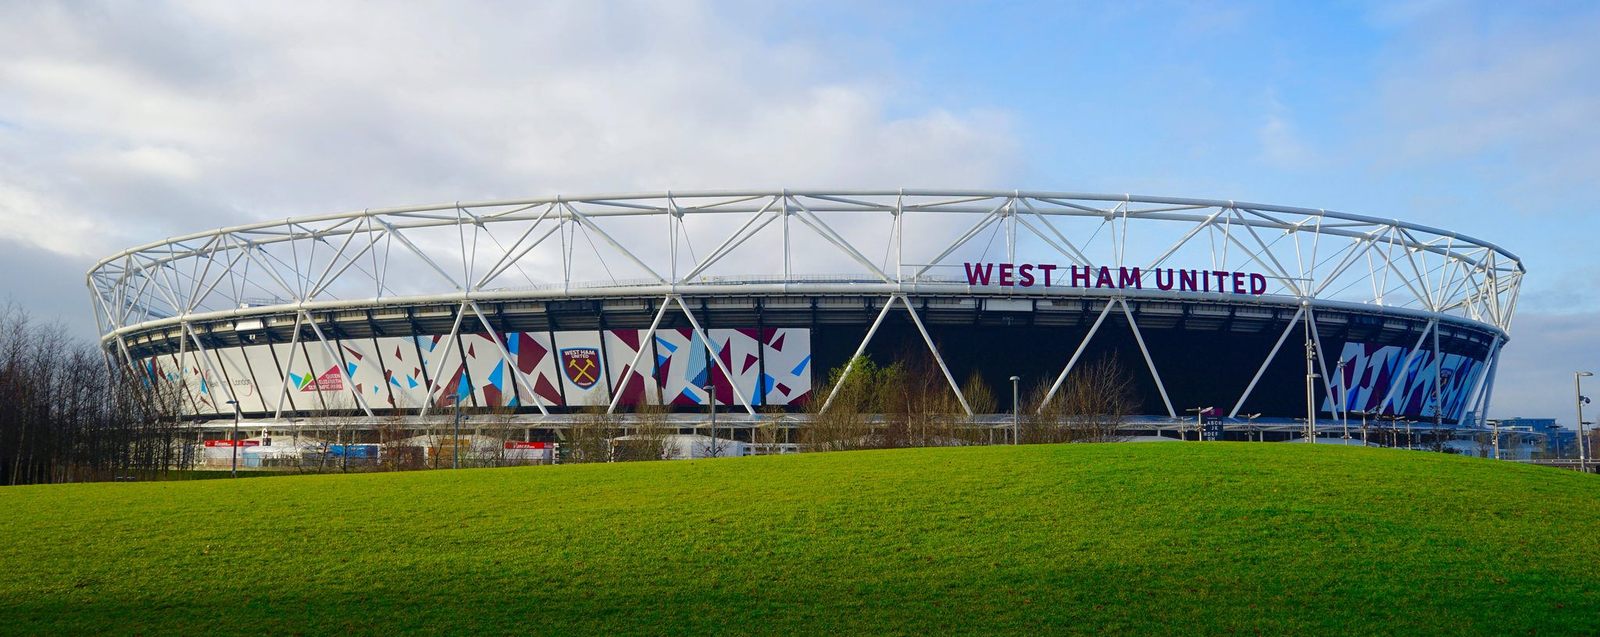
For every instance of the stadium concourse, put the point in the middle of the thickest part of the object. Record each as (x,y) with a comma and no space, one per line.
(511,320)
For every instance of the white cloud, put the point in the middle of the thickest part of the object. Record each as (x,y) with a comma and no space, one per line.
(1469,83)
(1535,376)
(126,123)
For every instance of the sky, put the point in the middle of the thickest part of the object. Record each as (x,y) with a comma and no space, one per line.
(123,123)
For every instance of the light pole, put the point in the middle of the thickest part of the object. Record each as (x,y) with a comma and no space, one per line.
(1016,422)
(1584,446)
(1199,421)
(1344,402)
(234,444)
(1311,382)
(1496,424)
(711,399)
(1583,450)
(1363,414)
(1251,419)
(455,443)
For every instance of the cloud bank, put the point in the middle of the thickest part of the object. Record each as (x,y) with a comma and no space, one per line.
(122,123)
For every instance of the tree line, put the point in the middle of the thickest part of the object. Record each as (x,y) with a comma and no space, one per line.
(68,416)
(909,404)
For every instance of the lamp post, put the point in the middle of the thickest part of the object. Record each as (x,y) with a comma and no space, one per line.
(1251,419)
(1199,421)
(1393,428)
(1344,401)
(711,399)
(1496,424)
(1311,382)
(455,442)
(1584,445)
(1016,410)
(1583,450)
(234,444)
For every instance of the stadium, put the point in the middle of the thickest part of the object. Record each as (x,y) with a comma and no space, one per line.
(1266,320)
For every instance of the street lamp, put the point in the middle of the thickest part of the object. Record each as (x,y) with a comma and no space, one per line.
(711,399)
(1199,420)
(1496,424)
(234,444)
(1016,422)
(1344,402)
(1583,450)
(1311,382)
(1363,427)
(455,444)
(1583,445)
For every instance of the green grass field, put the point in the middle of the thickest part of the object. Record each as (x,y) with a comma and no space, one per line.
(1119,538)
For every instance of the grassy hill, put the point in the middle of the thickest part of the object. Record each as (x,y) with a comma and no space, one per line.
(1130,538)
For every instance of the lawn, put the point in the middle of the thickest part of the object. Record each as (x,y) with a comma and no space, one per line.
(1112,538)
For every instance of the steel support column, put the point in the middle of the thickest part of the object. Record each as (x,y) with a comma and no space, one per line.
(1056,386)
(1139,338)
(1266,363)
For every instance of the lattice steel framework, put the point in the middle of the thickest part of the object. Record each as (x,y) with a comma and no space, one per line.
(895,245)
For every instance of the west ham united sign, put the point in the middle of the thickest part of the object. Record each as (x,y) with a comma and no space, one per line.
(581,365)
(1027,275)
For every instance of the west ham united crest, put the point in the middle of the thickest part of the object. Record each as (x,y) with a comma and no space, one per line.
(581,365)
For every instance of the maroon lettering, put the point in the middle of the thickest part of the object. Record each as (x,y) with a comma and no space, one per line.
(1122,277)
(1125,277)
(1080,276)
(979,275)
(1103,280)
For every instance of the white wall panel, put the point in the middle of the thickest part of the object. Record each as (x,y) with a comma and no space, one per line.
(492,379)
(362,365)
(408,386)
(640,386)
(536,364)
(232,363)
(787,353)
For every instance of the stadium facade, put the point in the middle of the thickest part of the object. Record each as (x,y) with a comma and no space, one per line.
(538,309)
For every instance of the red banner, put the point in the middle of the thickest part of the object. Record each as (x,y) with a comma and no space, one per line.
(229,443)
(511,444)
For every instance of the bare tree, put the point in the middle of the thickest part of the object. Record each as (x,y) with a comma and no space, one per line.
(588,437)
(847,423)
(68,412)
(1092,405)
(649,438)
(767,435)
(396,451)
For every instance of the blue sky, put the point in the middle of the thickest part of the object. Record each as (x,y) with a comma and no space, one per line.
(121,123)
